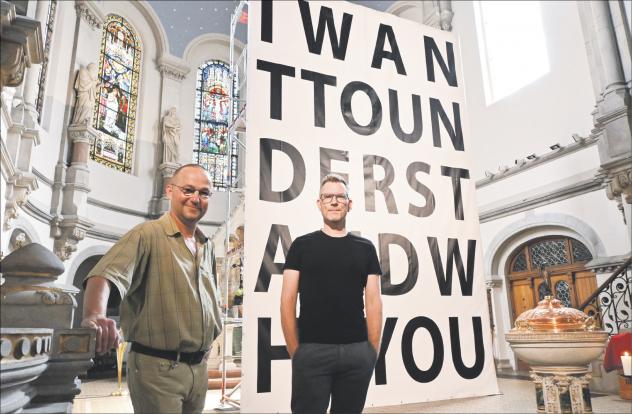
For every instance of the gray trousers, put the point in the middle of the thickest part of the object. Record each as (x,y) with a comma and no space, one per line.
(157,385)
(339,371)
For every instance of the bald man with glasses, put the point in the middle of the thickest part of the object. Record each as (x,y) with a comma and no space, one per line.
(332,345)
(164,272)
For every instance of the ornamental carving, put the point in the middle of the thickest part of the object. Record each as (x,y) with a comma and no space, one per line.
(89,13)
(173,72)
(620,185)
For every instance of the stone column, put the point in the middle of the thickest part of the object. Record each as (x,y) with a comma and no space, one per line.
(22,47)
(36,318)
(71,227)
(609,59)
(72,177)
(24,354)
(173,71)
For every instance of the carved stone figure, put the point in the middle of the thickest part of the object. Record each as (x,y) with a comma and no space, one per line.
(171,127)
(85,87)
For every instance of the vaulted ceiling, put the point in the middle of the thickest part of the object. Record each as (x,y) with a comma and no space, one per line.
(185,20)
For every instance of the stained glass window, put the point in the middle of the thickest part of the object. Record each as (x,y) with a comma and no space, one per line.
(50,25)
(548,253)
(115,108)
(563,293)
(580,252)
(212,119)
(520,264)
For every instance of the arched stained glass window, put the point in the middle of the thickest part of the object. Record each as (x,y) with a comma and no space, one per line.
(580,252)
(115,109)
(212,119)
(520,264)
(50,25)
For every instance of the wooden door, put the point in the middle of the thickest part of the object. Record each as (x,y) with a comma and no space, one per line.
(522,297)
(562,288)
(522,300)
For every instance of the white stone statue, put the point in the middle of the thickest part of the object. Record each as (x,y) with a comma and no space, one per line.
(171,127)
(85,86)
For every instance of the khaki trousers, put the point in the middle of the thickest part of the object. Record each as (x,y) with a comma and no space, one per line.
(157,385)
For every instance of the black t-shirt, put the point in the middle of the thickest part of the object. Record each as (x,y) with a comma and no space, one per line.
(333,274)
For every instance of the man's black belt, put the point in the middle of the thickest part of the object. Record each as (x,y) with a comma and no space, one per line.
(191,358)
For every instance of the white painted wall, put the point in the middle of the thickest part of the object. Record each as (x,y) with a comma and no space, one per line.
(545,112)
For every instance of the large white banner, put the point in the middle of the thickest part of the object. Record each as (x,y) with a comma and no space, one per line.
(337,87)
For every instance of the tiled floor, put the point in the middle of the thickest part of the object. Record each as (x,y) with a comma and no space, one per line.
(517,396)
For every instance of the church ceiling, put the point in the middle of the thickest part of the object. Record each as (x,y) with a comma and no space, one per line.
(183,21)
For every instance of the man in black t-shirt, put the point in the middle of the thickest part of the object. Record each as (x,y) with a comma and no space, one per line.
(333,347)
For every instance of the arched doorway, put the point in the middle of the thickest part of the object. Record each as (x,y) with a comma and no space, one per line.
(564,258)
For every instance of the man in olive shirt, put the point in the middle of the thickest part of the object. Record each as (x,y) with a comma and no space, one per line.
(163,270)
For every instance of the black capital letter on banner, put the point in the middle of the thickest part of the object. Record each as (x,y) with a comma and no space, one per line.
(266,353)
(326,18)
(454,254)
(277,71)
(347,113)
(449,70)
(370,185)
(379,53)
(456,174)
(268,266)
(411,171)
(266,21)
(385,240)
(328,154)
(407,349)
(479,349)
(320,80)
(456,133)
(266,146)
(380,365)
(393,106)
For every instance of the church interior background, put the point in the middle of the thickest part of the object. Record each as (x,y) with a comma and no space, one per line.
(548,90)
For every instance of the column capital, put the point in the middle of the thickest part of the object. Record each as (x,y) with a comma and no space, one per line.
(173,68)
(90,12)
(82,133)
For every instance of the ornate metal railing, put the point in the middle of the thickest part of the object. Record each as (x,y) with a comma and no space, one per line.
(611,303)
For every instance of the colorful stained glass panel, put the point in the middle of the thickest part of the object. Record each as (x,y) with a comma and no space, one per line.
(115,109)
(212,120)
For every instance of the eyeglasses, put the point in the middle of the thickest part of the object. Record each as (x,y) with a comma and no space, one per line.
(329,198)
(189,191)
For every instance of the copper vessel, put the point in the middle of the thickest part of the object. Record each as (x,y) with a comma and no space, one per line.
(551,316)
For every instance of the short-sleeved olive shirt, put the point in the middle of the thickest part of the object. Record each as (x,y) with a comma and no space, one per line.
(169,296)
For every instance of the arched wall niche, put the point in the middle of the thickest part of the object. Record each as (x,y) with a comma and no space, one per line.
(535,226)
(23,225)
(82,264)
(514,235)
